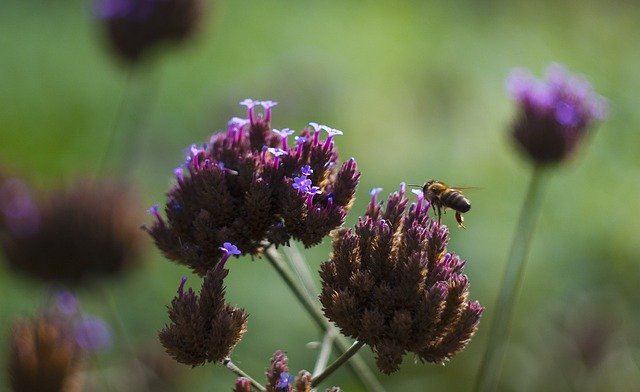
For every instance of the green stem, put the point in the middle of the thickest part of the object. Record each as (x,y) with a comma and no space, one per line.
(337,363)
(312,305)
(491,366)
(325,351)
(239,372)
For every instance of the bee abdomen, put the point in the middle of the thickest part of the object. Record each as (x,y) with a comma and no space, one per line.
(455,200)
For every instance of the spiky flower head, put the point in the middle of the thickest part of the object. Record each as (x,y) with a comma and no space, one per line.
(555,114)
(134,27)
(203,328)
(248,187)
(86,231)
(48,352)
(392,284)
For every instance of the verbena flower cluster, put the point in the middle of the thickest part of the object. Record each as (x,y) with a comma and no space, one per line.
(251,186)
(49,352)
(280,380)
(136,26)
(391,284)
(555,114)
(204,328)
(86,231)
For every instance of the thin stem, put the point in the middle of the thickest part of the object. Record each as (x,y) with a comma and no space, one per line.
(337,363)
(239,372)
(312,305)
(491,366)
(325,351)
(301,267)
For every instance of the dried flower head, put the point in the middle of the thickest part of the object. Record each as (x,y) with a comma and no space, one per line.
(391,284)
(249,186)
(134,27)
(88,230)
(555,114)
(48,353)
(204,328)
(280,380)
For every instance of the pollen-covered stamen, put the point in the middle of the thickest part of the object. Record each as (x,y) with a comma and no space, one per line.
(277,152)
(284,133)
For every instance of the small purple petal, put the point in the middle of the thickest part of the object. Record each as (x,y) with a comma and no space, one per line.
(249,103)
(375,191)
(306,170)
(277,151)
(92,334)
(316,126)
(67,303)
(229,249)
(267,104)
(284,132)
(284,380)
(154,210)
(300,140)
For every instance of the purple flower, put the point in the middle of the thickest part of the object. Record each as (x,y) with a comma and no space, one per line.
(277,152)
(229,249)
(155,211)
(92,334)
(302,184)
(284,380)
(284,133)
(306,170)
(555,113)
(67,303)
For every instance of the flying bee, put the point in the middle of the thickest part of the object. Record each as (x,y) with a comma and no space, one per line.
(442,196)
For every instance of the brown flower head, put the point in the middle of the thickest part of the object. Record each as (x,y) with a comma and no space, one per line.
(134,27)
(249,186)
(48,352)
(86,231)
(204,328)
(279,379)
(554,114)
(391,284)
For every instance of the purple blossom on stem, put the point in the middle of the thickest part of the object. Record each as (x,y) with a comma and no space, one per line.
(155,211)
(555,113)
(283,381)
(92,333)
(306,170)
(250,104)
(302,184)
(311,192)
(284,133)
(277,152)
(228,249)
(267,105)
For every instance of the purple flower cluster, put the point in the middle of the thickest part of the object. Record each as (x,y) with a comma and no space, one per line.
(249,186)
(392,284)
(555,113)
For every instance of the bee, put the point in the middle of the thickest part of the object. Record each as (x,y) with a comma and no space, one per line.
(442,196)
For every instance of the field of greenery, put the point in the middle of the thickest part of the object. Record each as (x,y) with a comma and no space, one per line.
(418,88)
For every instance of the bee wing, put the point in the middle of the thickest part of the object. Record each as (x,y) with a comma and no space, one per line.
(460,188)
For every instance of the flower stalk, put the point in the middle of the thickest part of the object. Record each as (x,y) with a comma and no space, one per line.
(241,373)
(357,345)
(489,374)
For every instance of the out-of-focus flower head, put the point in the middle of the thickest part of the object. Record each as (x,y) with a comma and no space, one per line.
(248,186)
(554,114)
(203,328)
(280,380)
(48,352)
(86,231)
(134,27)
(392,284)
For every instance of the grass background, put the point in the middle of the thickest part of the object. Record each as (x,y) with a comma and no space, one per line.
(418,89)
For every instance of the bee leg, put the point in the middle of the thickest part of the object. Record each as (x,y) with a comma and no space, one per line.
(460,220)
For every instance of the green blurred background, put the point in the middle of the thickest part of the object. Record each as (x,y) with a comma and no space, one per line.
(418,89)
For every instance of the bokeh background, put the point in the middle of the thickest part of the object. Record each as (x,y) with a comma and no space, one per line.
(418,89)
